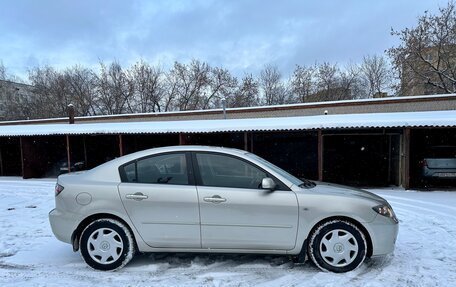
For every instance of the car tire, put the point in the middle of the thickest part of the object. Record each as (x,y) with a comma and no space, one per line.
(106,244)
(337,246)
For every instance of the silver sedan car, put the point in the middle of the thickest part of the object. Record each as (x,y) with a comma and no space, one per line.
(207,199)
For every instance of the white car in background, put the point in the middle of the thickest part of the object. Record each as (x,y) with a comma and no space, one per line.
(207,199)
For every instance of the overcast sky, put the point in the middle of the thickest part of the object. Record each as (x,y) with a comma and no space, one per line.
(241,35)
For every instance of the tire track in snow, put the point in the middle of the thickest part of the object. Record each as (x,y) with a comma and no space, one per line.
(422,208)
(420,201)
(418,217)
(422,258)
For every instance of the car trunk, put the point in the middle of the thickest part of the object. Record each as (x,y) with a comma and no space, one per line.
(441,163)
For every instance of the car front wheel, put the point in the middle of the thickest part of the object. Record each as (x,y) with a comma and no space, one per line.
(337,246)
(106,244)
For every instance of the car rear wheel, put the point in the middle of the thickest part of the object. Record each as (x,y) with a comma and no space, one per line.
(337,246)
(106,244)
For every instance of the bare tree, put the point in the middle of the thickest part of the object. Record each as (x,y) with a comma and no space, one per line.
(327,81)
(115,90)
(376,72)
(350,82)
(3,92)
(426,55)
(303,82)
(149,89)
(17,104)
(14,97)
(335,84)
(51,92)
(82,83)
(6,76)
(246,94)
(273,89)
(2,71)
(186,85)
(171,86)
(222,85)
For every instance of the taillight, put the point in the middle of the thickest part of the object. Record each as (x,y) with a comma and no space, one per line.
(58,189)
(424,163)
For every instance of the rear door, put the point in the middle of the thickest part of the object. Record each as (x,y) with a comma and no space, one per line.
(236,213)
(160,197)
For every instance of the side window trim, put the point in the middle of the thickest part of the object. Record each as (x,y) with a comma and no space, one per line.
(190,170)
(199,181)
(196,171)
(123,175)
(188,161)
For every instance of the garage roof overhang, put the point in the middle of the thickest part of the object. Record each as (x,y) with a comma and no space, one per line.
(340,121)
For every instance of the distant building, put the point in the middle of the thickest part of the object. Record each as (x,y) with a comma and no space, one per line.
(333,94)
(418,74)
(12,92)
(380,95)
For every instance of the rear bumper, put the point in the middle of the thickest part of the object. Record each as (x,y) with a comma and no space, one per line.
(384,233)
(62,225)
(449,173)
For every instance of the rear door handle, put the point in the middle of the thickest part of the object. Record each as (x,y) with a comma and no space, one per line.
(136,196)
(215,199)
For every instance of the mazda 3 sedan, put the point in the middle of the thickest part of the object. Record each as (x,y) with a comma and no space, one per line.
(207,199)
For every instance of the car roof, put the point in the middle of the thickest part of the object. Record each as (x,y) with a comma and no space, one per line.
(192,148)
(182,148)
(109,170)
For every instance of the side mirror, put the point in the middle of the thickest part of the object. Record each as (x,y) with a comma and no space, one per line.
(268,183)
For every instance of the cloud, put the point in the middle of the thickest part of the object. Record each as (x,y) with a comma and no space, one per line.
(241,35)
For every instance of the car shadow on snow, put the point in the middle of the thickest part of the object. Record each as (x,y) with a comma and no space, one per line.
(162,261)
(374,264)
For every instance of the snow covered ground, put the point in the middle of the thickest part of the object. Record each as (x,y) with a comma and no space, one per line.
(425,253)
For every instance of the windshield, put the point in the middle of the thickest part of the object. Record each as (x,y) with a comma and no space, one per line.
(277,169)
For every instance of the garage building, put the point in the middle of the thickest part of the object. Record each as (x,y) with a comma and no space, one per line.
(374,142)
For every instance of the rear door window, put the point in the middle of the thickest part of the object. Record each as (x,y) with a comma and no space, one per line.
(160,169)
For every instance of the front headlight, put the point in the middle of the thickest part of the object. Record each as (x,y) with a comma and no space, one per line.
(385,210)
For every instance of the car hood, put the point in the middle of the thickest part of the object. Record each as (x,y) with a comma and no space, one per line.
(346,191)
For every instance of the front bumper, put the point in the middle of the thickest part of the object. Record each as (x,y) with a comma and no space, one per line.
(384,233)
(62,225)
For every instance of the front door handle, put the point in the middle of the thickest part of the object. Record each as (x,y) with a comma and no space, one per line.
(136,196)
(215,199)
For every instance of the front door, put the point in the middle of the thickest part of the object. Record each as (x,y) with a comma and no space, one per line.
(161,199)
(236,213)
